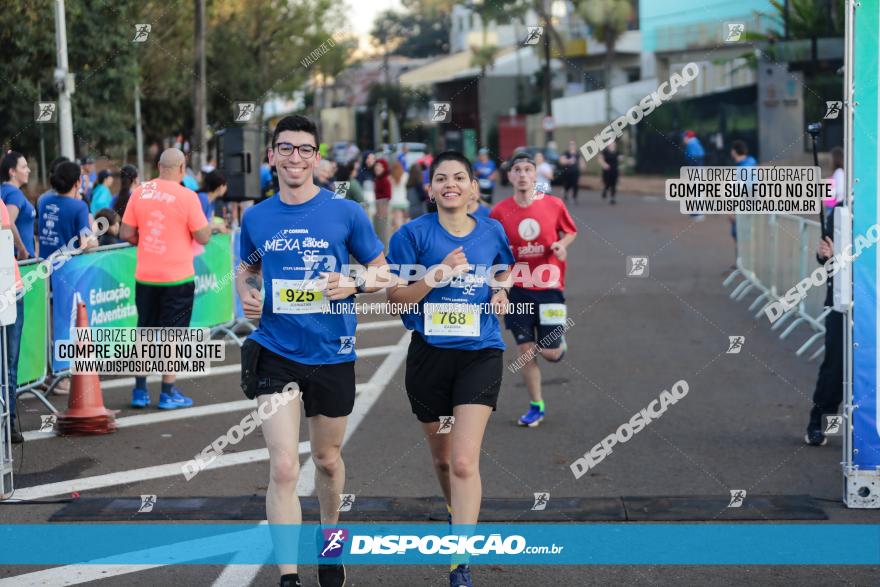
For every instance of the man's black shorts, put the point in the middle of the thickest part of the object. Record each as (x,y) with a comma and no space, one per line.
(526,325)
(439,379)
(327,390)
(166,306)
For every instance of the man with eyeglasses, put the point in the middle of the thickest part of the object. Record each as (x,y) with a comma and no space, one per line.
(292,247)
(540,231)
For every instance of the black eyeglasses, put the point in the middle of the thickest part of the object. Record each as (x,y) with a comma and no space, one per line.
(287,149)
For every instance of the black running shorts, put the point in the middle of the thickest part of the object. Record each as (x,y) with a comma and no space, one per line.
(166,306)
(327,390)
(439,379)
(526,325)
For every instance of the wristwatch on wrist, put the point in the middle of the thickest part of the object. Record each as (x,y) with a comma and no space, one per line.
(360,283)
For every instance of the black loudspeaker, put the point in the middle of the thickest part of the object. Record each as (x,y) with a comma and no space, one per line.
(239,157)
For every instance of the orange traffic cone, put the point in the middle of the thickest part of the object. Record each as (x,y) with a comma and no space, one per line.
(85,413)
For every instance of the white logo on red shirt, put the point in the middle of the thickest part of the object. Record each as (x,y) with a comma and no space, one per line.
(529,229)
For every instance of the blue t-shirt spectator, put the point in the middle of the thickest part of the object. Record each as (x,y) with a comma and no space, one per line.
(207,205)
(482,210)
(190,182)
(101,198)
(265,177)
(693,152)
(61,219)
(402,160)
(484,171)
(24,222)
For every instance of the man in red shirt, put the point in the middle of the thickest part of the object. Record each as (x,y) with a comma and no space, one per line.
(540,230)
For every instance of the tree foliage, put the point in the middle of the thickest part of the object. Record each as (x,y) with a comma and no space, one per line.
(254,49)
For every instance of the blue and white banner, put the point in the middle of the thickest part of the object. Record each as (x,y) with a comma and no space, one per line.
(866,128)
(424,544)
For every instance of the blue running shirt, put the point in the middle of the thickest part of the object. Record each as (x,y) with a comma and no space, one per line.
(447,316)
(296,243)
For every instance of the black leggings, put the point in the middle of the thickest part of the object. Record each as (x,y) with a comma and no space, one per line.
(610,181)
(829,384)
(571,183)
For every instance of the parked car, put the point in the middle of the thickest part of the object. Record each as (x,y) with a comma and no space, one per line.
(550,155)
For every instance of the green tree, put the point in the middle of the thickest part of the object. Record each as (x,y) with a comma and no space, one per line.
(803,19)
(499,12)
(608,21)
(100,54)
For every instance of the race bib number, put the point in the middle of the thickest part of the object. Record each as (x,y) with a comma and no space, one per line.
(298,297)
(452,320)
(551,314)
(485,183)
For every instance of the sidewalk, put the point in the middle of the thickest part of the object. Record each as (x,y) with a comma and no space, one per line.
(634,184)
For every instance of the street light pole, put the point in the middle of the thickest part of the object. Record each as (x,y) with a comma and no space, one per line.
(138,130)
(64,79)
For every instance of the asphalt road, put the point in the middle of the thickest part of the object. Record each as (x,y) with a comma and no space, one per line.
(740,426)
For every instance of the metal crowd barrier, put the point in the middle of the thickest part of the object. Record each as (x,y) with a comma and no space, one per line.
(773,253)
(235,329)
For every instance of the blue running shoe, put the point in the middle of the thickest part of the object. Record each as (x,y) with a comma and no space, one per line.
(173,400)
(461,577)
(533,417)
(140,398)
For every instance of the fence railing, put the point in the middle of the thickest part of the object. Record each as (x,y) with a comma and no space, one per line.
(774,252)
(216,304)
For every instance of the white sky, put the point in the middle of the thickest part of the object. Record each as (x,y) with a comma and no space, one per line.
(361,14)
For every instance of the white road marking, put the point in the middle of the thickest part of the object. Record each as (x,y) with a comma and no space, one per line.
(143,474)
(231,368)
(77,574)
(109,567)
(171,415)
(231,576)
